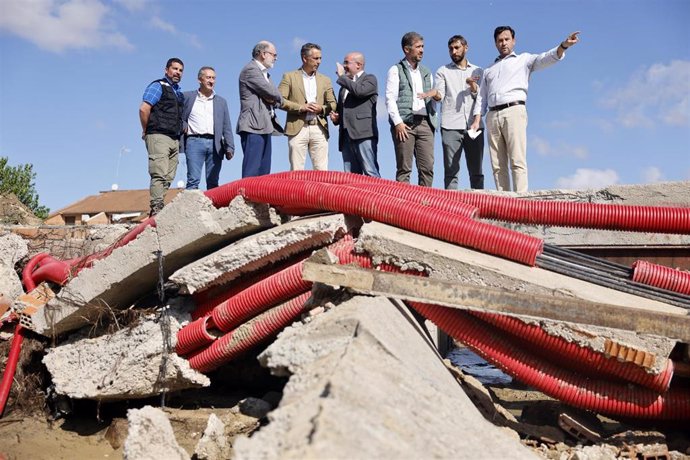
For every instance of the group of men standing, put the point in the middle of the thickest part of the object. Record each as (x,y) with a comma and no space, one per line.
(198,122)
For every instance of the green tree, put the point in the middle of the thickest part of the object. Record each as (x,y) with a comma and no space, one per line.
(20,181)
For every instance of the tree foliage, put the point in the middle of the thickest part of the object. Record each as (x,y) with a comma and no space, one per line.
(19,180)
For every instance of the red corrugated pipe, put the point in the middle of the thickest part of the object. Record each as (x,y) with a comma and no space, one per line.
(196,334)
(565,385)
(395,211)
(662,277)
(11,366)
(573,356)
(658,219)
(257,330)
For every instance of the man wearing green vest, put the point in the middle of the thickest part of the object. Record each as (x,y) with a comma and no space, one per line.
(412,118)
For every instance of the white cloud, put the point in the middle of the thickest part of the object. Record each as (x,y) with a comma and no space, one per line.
(562,149)
(59,25)
(132,5)
(659,93)
(588,179)
(170,28)
(297,43)
(651,175)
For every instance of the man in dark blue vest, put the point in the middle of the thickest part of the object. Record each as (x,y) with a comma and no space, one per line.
(412,117)
(160,114)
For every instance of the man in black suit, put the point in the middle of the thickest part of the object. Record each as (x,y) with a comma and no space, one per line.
(356,116)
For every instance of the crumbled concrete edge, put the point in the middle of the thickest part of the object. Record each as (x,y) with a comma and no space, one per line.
(446,261)
(150,436)
(357,373)
(130,364)
(213,444)
(13,248)
(188,228)
(259,250)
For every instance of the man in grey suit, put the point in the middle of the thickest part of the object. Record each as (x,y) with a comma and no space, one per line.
(356,116)
(258,100)
(208,131)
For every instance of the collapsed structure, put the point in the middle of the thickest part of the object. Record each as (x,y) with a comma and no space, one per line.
(595,334)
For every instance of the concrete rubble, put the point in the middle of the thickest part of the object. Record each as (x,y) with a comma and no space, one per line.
(256,251)
(357,373)
(151,436)
(131,363)
(364,375)
(187,229)
(12,249)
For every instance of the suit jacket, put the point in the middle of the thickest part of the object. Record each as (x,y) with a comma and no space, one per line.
(294,96)
(222,128)
(358,111)
(255,112)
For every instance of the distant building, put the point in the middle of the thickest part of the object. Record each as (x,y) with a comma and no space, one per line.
(111,207)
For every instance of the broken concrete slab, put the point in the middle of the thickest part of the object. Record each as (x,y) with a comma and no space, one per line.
(187,229)
(259,250)
(213,444)
(358,372)
(130,364)
(12,249)
(151,436)
(447,261)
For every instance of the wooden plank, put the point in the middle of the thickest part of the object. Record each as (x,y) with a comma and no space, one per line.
(464,296)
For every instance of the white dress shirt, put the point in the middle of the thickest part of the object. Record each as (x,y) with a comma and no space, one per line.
(392,91)
(309,91)
(507,79)
(201,117)
(456,98)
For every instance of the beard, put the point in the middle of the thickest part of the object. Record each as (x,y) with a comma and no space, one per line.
(457,59)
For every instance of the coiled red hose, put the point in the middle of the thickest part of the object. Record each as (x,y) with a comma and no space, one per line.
(565,385)
(573,356)
(400,213)
(662,277)
(249,335)
(657,219)
(27,279)
(11,366)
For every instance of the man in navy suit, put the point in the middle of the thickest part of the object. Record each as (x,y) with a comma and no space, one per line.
(208,133)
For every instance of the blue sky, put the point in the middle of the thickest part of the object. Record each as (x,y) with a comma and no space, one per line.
(72,73)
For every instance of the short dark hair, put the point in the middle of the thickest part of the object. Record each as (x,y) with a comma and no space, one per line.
(457,38)
(409,38)
(206,67)
(307,47)
(171,61)
(500,29)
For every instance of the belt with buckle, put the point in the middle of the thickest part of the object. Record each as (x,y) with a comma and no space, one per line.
(203,136)
(496,108)
(311,122)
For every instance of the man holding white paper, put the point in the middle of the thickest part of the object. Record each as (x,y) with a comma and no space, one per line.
(456,86)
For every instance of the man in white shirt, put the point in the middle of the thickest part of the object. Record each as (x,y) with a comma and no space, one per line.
(308,98)
(411,116)
(503,91)
(208,131)
(456,86)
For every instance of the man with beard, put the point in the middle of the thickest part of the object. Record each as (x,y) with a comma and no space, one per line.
(503,90)
(258,100)
(456,86)
(160,114)
(308,98)
(412,119)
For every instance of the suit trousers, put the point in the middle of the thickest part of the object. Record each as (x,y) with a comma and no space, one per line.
(311,138)
(360,156)
(454,141)
(199,152)
(256,149)
(163,156)
(508,146)
(420,146)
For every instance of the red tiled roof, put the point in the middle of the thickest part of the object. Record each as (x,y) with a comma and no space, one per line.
(114,202)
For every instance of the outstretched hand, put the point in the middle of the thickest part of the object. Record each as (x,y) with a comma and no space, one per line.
(571,40)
